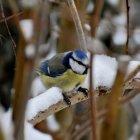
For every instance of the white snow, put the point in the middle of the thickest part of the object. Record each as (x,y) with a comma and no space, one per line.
(37,87)
(87,27)
(43,101)
(113,2)
(30,51)
(52,123)
(90,7)
(119,20)
(6,124)
(132,66)
(104,70)
(29,3)
(136,36)
(27,28)
(33,134)
(119,38)
(29,132)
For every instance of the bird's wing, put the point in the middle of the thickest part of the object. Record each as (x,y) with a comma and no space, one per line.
(53,67)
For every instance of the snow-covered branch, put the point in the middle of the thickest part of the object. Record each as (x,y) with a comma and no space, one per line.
(50,102)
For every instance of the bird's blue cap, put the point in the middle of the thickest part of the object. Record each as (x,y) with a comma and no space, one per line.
(80,54)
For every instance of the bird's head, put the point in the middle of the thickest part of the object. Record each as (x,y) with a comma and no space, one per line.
(77,61)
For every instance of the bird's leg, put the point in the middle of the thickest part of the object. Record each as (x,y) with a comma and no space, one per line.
(66,99)
(83,90)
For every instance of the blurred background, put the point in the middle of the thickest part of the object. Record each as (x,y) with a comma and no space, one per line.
(34,30)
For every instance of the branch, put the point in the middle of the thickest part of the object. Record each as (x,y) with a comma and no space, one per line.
(3,16)
(92,104)
(132,74)
(41,113)
(78,25)
(95,18)
(127,41)
(83,128)
(10,17)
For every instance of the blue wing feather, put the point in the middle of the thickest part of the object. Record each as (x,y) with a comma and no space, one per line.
(46,69)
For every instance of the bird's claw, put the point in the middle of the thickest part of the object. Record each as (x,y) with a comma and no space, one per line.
(66,99)
(84,90)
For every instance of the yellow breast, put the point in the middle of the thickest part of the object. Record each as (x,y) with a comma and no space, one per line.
(66,82)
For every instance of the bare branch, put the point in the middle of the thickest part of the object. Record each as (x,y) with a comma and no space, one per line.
(96,16)
(10,17)
(78,25)
(92,105)
(127,41)
(3,16)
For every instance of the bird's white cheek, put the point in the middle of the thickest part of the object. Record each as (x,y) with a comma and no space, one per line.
(77,67)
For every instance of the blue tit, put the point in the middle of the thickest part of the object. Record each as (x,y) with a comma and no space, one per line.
(65,70)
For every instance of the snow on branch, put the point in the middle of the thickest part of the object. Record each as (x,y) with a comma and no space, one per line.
(50,102)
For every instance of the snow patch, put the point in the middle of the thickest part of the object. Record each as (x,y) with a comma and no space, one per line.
(104,70)
(43,101)
(27,28)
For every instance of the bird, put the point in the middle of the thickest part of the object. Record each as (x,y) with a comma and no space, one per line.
(65,70)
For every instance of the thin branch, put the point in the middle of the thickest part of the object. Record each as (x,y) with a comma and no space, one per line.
(132,74)
(131,95)
(96,16)
(10,17)
(83,128)
(3,16)
(127,41)
(92,103)
(78,25)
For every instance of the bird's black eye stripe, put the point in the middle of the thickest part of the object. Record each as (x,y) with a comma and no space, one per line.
(80,63)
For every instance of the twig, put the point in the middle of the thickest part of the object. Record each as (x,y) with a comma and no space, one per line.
(127,41)
(92,103)
(10,17)
(3,16)
(96,16)
(129,97)
(82,130)
(15,10)
(78,25)
(132,74)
